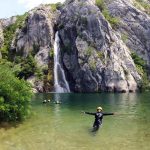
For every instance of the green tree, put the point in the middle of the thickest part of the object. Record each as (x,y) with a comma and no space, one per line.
(15,96)
(142,70)
(28,67)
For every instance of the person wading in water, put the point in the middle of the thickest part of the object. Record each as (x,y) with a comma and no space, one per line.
(98,117)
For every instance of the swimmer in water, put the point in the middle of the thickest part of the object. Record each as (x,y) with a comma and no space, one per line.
(98,117)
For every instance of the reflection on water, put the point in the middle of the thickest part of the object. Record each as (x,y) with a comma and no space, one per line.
(63,126)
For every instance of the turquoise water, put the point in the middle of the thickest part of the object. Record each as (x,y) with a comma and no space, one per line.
(64,127)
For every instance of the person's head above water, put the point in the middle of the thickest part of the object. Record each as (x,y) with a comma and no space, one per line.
(99,109)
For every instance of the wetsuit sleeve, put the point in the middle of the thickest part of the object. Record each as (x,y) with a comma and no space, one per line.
(89,113)
(106,114)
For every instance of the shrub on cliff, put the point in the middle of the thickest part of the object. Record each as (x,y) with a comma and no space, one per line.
(15,96)
(56,6)
(100,4)
(142,70)
(28,67)
(114,21)
(9,33)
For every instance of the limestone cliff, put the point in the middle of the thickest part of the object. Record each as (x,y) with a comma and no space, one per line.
(94,56)
(36,37)
(1,35)
(97,41)
(1,38)
(134,25)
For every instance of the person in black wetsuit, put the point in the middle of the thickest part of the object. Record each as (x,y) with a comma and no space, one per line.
(98,117)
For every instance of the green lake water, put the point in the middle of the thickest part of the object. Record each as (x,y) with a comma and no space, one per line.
(63,127)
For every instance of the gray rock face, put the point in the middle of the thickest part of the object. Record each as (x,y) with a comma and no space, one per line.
(135,25)
(36,38)
(1,38)
(7,22)
(1,34)
(94,57)
(3,24)
(37,35)
(37,86)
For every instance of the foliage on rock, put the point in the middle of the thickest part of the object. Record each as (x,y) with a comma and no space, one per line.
(9,33)
(142,70)
(114,21)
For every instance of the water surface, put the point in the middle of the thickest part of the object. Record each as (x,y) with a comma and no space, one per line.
(63,127)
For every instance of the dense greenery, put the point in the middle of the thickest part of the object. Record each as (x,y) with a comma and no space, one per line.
(28,67)
(15,96)
(101,4)
(23,68)
(56,6)
(114,21)
(142,70)
(9,34)
(51,53)
(137,60)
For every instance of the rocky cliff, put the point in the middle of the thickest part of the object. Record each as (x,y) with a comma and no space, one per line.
(1,35)
(134,24)
(36,36)
(104,44)
(1,38)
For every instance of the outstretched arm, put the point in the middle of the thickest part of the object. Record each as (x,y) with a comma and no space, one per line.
(89,113)
(107,114)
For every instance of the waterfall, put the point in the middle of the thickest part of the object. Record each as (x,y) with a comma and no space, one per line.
(60,82)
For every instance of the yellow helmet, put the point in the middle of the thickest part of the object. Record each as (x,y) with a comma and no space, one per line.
(99,108)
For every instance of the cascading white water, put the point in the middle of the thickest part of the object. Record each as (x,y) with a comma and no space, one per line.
(60,82)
